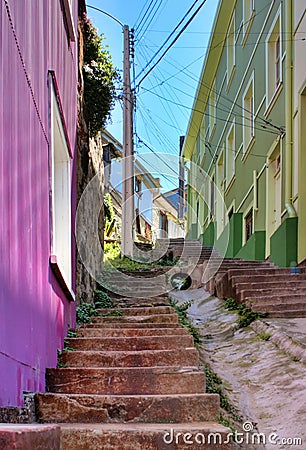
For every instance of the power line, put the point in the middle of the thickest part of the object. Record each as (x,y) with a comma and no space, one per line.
(168,38)
(228,45)
(151,20)
(156,154)
(172,43)
(138,18)
(209,115)
(219,94)
(146,17)
(157,170)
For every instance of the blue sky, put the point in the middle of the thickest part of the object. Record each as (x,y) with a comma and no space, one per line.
(165,97)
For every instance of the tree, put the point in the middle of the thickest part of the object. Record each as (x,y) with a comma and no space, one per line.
(100,76)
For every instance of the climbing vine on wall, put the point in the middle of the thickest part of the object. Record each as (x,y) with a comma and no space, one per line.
(100,77)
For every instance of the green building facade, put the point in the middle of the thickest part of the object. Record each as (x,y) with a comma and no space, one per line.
(245,143)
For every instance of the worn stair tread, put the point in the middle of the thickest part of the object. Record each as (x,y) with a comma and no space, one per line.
(130,343)
(139,325)
(172,318)
(88,408)
(129,332)
(29,436)
(143,436)
(144,380)
(288,313)
(128,358)
(137,311)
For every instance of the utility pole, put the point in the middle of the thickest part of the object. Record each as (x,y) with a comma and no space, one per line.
(127,227)
(181,191)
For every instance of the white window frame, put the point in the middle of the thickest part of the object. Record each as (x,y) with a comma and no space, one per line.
(231,50)
(61,211)
(247,18)
(212,109)
(245,215)
(272,85)
(248,115)
(69,19)
(230,155)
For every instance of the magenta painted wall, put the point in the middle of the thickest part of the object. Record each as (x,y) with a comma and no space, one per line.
(34,312)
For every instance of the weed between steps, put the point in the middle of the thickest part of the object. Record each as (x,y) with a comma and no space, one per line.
(181,311)
(214,385)
(246,315)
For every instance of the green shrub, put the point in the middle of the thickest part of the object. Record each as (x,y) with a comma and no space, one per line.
(245,315)
(102,299)
(84,312)
(100,77)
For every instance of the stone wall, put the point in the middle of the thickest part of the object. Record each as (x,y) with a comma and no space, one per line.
(90,177)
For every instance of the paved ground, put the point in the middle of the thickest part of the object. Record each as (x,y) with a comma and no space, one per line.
(265,380)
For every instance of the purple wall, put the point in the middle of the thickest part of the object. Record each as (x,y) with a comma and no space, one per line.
(34,312)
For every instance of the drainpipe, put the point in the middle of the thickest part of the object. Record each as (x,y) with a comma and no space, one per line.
(288,96)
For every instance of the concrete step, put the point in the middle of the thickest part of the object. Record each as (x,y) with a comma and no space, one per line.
(287,314)
(272,285)
(185,408)
(139,325)
(267,271)
(293,302)
(26,437)
(131,343)
(145,437)
(127,302)
(138,358)
(154,318)
(128,332)
(270,293)
(137,311)
(265,278)
(224,266)
(126,381)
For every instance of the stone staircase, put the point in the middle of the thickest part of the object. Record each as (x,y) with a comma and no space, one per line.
(263,286)
(132,381)
(185,249)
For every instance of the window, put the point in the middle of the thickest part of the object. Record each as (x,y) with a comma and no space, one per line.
(273,61)
(230,155)
(248,225)
(230,213)
(248,10)
(61,193)
(277,65)
(212,109)
(67,4)
(230,46)
(138,186)
(212,198)
(248,115)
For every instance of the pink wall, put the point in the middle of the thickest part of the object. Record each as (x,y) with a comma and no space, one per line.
(34,312)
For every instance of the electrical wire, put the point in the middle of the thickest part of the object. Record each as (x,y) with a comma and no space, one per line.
(151,20)
(171,44)
(156,154)
(209,115)
(146,17)
(168,38)
(138,18)
(219,94)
